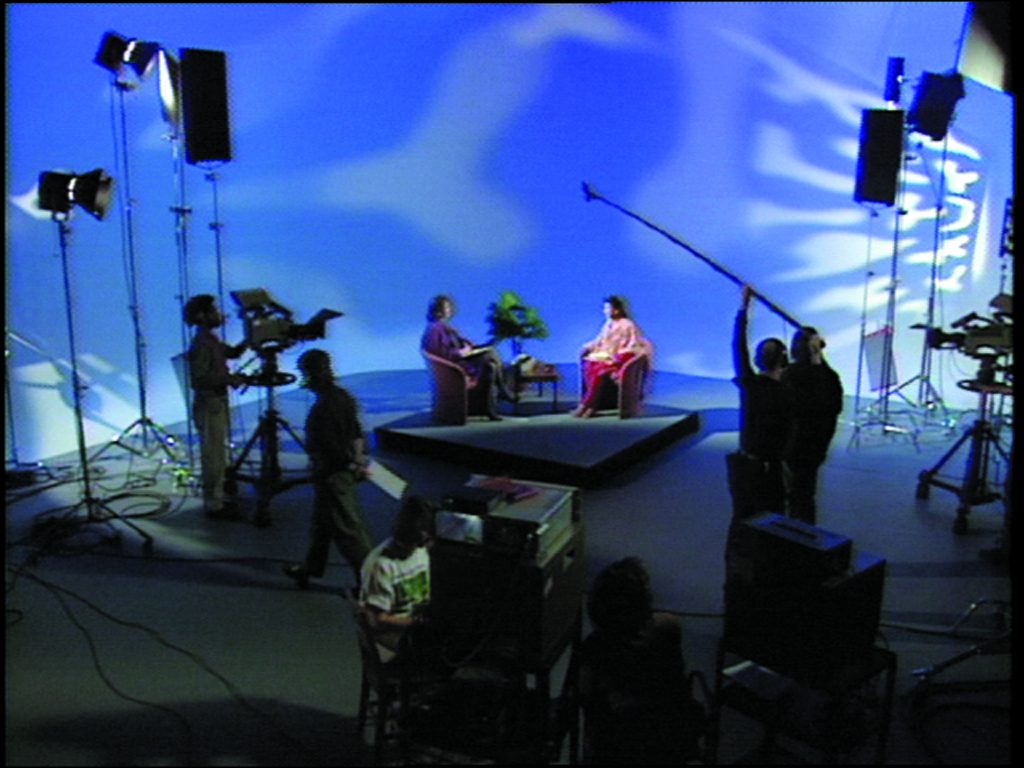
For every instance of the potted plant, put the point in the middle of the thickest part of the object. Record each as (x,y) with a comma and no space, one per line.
(512,319)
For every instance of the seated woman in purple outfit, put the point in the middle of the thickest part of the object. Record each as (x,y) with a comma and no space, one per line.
(483,363)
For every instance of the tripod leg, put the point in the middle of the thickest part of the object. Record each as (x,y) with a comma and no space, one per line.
(232,474)
(927,476)
(270,469)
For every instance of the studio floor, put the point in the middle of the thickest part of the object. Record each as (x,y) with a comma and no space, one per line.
(197,650)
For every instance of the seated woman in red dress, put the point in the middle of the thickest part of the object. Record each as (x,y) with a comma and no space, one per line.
(619,341)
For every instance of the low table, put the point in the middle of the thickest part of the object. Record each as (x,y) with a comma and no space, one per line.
(539,375)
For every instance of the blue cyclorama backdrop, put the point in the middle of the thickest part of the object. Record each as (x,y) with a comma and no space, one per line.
(382,154)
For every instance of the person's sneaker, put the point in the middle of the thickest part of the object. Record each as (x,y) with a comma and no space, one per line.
(298,574)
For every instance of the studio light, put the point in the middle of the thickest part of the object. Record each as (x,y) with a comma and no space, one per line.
(934,103)
(110,55)
(141,57)
(93,191)
(116,51)
(59,192)
(169,81)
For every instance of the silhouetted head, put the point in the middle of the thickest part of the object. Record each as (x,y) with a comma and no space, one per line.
(770,355)
(620,599)
(317,371)
(806,343)
(201,310)
(415,522)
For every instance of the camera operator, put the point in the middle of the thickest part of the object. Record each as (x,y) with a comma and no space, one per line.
(210,378)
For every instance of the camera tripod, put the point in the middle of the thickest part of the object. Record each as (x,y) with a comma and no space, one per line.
(268,481)
(983,437)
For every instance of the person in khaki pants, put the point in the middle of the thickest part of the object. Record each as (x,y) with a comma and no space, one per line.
(210,378)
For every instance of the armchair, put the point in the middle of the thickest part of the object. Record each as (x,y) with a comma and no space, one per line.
(627,392)
(455,395)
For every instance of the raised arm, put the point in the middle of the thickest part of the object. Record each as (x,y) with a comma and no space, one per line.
(740,350)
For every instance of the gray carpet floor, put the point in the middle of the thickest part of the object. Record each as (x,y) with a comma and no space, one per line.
(200,651)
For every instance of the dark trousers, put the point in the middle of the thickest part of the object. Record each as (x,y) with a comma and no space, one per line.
(338,518)
(803,487)
(488,367)
(756,486)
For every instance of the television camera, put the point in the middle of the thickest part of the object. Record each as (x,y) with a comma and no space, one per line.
(990,341)
(983,338)
(270,329)
(269,324)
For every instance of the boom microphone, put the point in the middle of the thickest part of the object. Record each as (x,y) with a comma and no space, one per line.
(590,194)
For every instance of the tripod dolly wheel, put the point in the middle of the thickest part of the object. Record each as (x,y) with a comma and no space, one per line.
(923,485)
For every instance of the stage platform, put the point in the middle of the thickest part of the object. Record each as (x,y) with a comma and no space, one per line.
(543,446)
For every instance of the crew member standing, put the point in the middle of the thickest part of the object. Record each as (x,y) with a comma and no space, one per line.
(210,378)
(336,445)
(818,393)
(756,477)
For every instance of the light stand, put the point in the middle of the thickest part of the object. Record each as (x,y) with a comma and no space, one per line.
(930,114)
(888,357)
(858,424)
(97,510)
(193,91)
(144,425)
(928,396)
(878,413)
(17,473)
(181,212)
(216,225)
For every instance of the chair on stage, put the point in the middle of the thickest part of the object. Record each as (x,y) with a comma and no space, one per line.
(625,393)
(455,394)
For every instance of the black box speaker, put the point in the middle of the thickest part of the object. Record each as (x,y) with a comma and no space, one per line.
(773,548)
(803,606)
(479,595)
(205,110)
(880,155)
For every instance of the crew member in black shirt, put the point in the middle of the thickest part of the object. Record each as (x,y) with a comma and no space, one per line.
(766,415)
(818,393)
